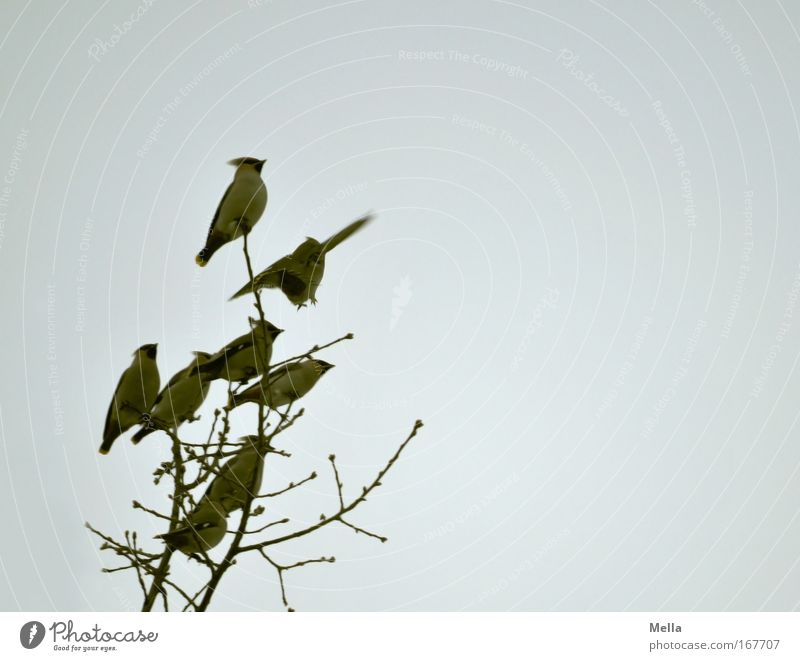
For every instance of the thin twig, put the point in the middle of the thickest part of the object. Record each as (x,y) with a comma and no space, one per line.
(324,521)
(282,568)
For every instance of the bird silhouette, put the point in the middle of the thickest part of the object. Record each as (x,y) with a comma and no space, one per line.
(243,358)
(299,274)
(179,400)
(134,396)
(283,385)
(239,209)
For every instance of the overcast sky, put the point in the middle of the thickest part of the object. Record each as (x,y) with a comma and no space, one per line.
(583,277)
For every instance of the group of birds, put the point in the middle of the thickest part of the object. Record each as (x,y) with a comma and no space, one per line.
(137,399)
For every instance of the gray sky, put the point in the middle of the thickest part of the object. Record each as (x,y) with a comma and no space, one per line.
(583,277)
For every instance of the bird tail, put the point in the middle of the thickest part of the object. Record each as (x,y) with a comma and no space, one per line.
(146,430)
(213,243)
(244,290)
(110,433)
(346,233)
(107,443)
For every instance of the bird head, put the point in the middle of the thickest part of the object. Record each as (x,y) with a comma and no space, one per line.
(248,161)
(323,367)
(201,357)
(148,350)
(272,329)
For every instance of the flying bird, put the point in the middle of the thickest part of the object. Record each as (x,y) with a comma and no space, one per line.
(283,385)
(203,529)
(240,476)
(240,208)
(298,275)
(243,358)
(179,400)
(134,396)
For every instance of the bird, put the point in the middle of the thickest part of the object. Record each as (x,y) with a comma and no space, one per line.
(134,396)
(283,385)
(239,209)
(202,530)
(299,275)
(243,358)
(179,400)
(242,474)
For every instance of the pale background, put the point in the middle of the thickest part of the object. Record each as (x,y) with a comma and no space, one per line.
(584,277)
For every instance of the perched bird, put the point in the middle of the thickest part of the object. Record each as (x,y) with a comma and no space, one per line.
(179,400)
(203,529)
(242,358)
(135,394)
(240,474)
(239,209)
(298,275)
(283,385)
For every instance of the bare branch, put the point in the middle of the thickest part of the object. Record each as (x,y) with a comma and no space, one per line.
(283,568)
(292,485)
(324,521)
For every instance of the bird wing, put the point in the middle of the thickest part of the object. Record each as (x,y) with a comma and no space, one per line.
(110,429)
(345,233)
(222,357)
(176,378)
(263,280)
(219,207)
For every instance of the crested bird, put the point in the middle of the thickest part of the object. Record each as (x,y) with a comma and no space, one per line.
(299,275)
(283,385)
(241,475)
(134,396)
(243,358)
(239,209)
(203,528)
(179,400)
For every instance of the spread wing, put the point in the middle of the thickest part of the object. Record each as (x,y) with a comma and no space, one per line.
(345,233)
(267,277)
